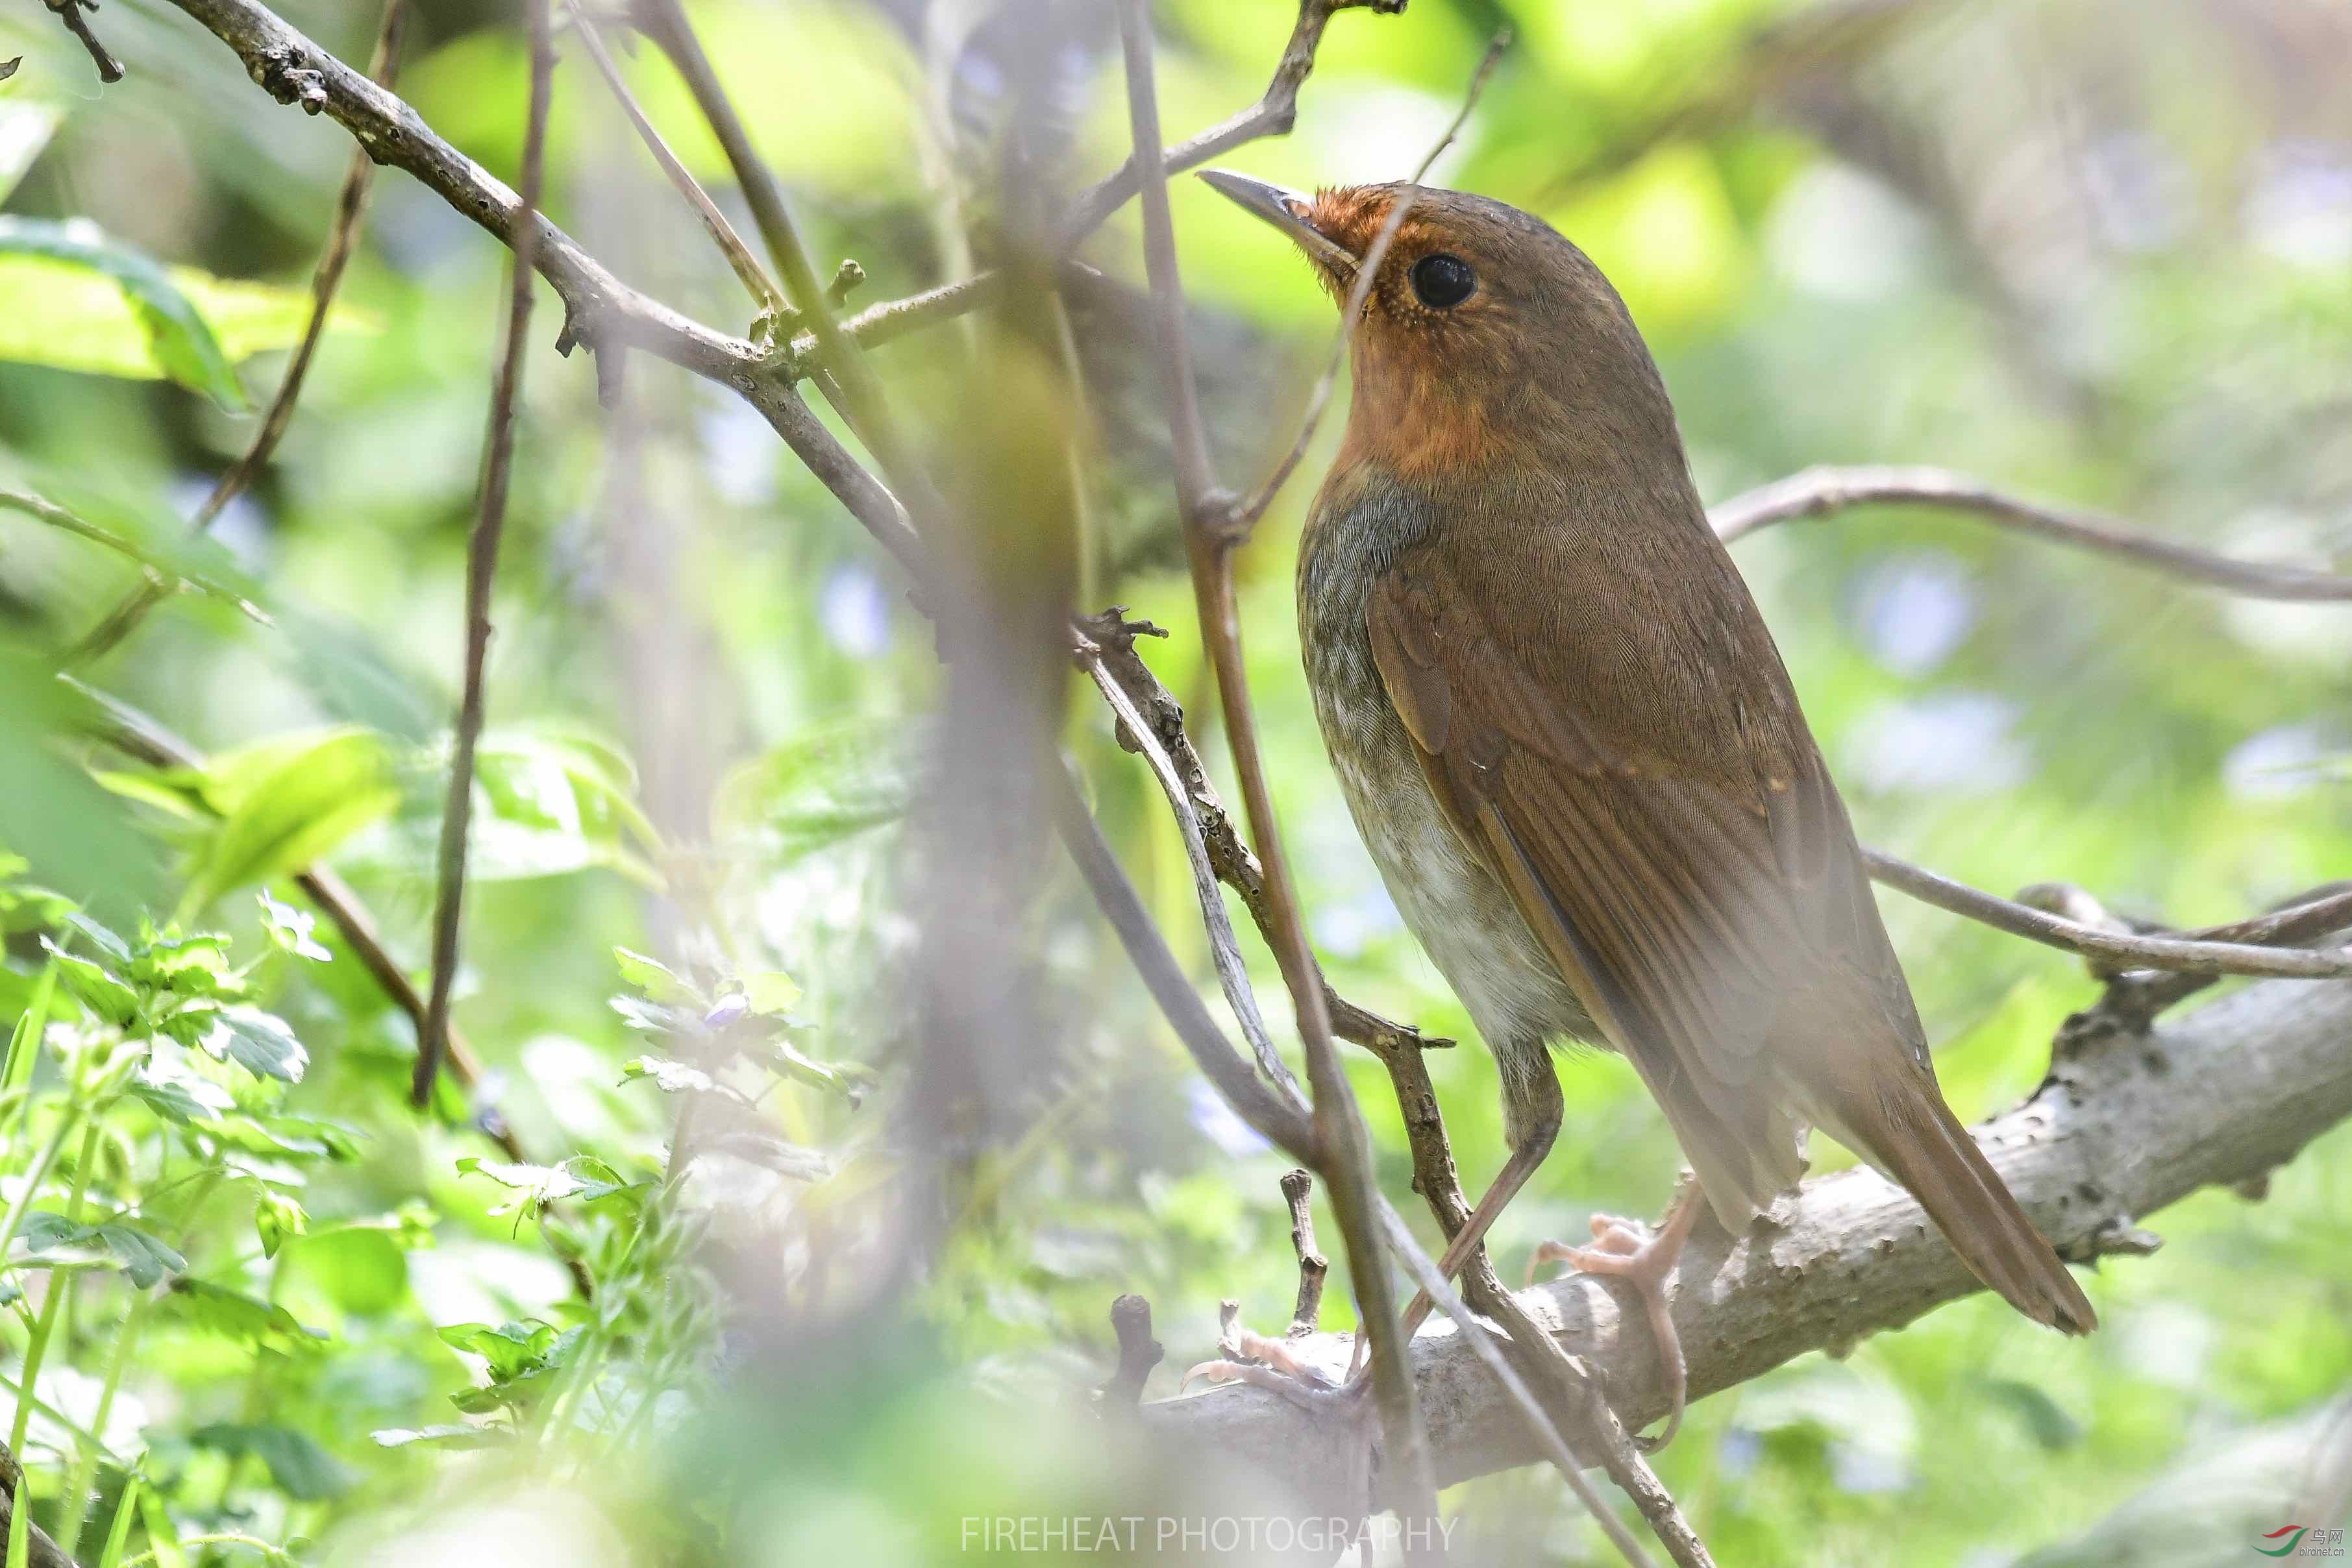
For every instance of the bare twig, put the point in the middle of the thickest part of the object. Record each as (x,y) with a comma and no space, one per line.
(747,267)
(1113,651)
(1138,1353)
(482,565)
(1818,492)
(342,235)
(1275,112)
(69,12)
(1368,269)
(2183,955)
(170,579)
(1299,1194)
(1339,1128)
(2134,998)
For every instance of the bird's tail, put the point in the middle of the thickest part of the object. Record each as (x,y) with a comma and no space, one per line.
(1913,1136)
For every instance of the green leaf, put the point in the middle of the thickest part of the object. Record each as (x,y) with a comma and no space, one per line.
(512,1349)
(54,318)
(233,1315)
(257,1041)
(286,804)
(102,993)
(785,1159)
(303,1469)
(182,1097)
(454,1435)
(118,1539)
(653,976)
(582,1176)
(844,1078)
(276,1216)
(822,788)
(669,1077)
(770,992)
(20,1524)
(144,1259)
(291,928)
(54,1242)
(163,1535)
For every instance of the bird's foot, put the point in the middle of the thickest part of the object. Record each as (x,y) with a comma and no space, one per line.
(1277,1365)
(1629,1251)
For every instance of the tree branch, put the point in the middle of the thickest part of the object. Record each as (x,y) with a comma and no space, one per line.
(2123,1126)
(1818,492)
(482,563)
(1345,1146)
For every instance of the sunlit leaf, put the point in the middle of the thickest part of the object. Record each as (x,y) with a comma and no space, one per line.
(257,1041)
(55,318)
(669,1077)
(286,804)
(291,928)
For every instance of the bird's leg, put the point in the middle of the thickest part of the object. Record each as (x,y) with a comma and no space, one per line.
(1531,1106)
(1633,1252)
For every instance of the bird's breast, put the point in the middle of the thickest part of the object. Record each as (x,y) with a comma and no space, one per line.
(1459,912)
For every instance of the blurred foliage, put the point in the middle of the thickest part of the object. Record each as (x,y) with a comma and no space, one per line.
(2088,249)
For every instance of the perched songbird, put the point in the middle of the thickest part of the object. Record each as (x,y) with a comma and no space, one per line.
(1571,748)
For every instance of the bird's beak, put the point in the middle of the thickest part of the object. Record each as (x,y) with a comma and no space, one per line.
(1286,210)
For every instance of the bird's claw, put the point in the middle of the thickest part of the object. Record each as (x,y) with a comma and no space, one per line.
(1630,1251)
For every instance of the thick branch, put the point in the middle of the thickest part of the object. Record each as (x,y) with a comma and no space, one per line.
(2127,1124)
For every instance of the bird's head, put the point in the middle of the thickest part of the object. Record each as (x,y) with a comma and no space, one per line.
(1487,336)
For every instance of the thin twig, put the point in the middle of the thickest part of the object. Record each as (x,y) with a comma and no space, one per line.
(1112,649)
(1339,1126)
(1818,492)
(342,235)
(171,578)
(1138,1353)
(1275,112)
(69,12)
(755,279)
(1298,1197)
(482,565)
(1352,315)
(2187,955)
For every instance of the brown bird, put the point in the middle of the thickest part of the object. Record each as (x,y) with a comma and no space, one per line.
(1571,748)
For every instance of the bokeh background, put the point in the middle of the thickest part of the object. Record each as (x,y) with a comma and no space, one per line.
(2097,251)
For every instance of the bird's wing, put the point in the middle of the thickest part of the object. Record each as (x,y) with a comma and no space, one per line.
(1706,900)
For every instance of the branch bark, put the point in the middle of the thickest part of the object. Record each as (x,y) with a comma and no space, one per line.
(2127,1124)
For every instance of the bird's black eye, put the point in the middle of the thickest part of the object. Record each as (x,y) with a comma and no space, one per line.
(1443,281)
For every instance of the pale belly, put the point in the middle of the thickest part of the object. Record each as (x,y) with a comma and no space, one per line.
(1457,908)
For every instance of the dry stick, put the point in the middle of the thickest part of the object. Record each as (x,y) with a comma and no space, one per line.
(1818,492)
(482,565)
(136,734)
(1368,269)
(747,267)
(1340,1127)
(342,233)
(2134,999)
(1109,641)
(2187,955)
(1274,114)
(1298,1196)
(109,70)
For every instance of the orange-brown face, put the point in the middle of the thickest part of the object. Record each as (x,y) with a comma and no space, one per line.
(1485,332)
